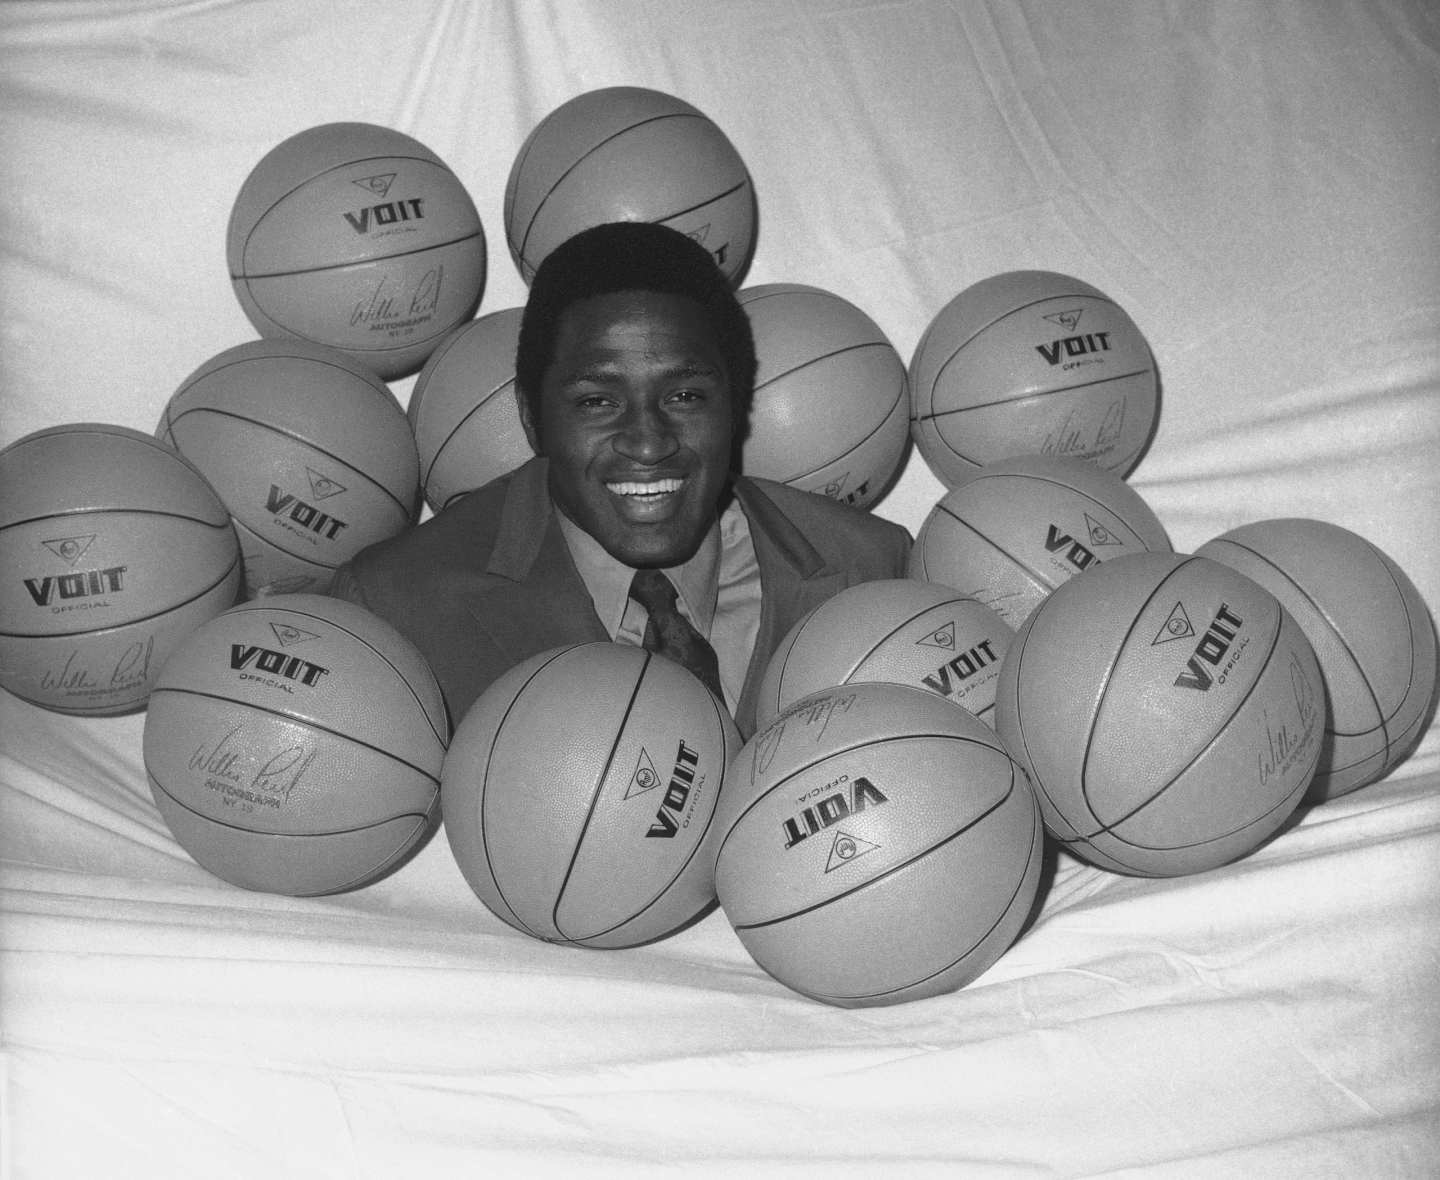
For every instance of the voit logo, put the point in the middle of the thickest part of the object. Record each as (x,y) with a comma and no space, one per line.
(960,667)
(670,816)
(75,587)
(1076,552)
(1077,344)
(716,252)
(847,847)
(841,800)
(298,514)
(1215,654)
(387,213)
(835,489)
(278,666)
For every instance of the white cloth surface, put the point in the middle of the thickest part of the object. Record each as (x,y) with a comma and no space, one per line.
(1256,183)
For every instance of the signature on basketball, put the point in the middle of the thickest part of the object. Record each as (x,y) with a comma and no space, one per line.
(809,721)
(1283,745)
(131,669)
(388,307)
(281,774)
(1077,436)
(219,757)
(1008,604)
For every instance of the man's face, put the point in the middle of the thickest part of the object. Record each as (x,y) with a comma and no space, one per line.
(635,416)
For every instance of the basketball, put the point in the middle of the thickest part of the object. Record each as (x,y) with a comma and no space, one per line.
(1031,362)
(360,238)
(1370,630)
(294,745)
(579,793)
(625,153)
(309,451)
(900,630)
(115,548)
(831,413)
(877,845)
(463,409)
(1168,711)
(1012,531)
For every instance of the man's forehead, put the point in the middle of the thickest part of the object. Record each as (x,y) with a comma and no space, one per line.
(623,327)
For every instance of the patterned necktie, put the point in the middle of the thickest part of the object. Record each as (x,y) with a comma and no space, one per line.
(669,633)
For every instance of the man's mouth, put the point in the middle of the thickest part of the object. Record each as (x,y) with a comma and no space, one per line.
(645,490)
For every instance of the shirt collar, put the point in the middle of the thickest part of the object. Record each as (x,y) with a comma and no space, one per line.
(608,579)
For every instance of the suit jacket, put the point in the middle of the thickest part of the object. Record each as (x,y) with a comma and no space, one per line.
(489,581)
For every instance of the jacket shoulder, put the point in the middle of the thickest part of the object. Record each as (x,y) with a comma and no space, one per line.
(844,534)
(457,540)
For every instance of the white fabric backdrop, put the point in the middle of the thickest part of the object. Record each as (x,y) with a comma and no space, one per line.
(1254,182)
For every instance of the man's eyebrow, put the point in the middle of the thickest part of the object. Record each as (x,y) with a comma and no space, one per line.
(603,373)
(692,369)
(592,375)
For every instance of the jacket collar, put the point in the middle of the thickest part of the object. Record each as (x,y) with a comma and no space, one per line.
(528,517)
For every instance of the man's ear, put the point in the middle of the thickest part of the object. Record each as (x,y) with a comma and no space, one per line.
(527,422)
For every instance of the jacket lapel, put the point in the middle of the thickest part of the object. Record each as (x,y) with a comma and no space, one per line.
(794,579)
(538,599)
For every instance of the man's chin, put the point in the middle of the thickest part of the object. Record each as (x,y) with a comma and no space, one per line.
(653,546)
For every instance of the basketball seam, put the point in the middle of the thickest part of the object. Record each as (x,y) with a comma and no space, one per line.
(246,531)
(290,192)
(70,710)
(285,433)
(785,659)
(460,425)
(1103,690)
(995,925)
(365,643)
(422,380)
(207,371)
(580,159)
(88,430)
(338,266)
(900,626)
(859,743)
(1334,631)
(69,512)
(825,356)
(512,707)
(585,155)
(598,787)
(1033,395)
(884,421)
(309,722)
(895,630)
(1023,567)
(1254,819)
(1040,477)
(689,858)
(97,631)
(1018,652)
(893,869)
(1004,315)
(710,200)
(423,816)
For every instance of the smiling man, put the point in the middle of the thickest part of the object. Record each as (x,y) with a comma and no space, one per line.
(635,369)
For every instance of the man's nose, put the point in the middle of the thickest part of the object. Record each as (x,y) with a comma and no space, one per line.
(646,435)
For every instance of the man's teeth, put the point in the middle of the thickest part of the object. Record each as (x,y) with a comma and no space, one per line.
(653,488)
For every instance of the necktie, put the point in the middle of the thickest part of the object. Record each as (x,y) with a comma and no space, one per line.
(669,633)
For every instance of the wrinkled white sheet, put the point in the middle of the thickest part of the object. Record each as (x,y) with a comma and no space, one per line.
(1255,182)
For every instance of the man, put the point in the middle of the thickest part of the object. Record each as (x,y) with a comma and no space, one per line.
(635,368)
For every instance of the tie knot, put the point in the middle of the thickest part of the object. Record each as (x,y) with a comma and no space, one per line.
(654,591)
(669,633)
